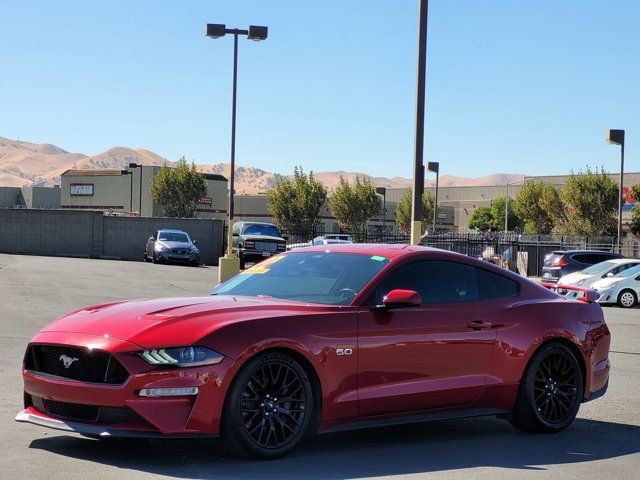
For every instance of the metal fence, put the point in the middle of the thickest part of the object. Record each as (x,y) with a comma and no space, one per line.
(520,253)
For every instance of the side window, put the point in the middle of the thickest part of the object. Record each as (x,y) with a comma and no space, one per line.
(492,286)
(436,282)
(585,258)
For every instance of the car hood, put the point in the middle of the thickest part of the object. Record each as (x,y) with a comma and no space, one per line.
(573,278)
(174,321)
(263,237)
(183,245)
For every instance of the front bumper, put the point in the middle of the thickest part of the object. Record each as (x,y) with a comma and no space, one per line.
(189,415)
(608,296)
(168,256)
(33,416)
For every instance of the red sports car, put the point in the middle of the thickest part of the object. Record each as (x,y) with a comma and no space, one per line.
(322,339)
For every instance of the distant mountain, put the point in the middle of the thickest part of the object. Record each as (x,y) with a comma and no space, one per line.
(24,163)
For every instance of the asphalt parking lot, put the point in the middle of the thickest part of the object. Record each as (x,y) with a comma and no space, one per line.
(604,442)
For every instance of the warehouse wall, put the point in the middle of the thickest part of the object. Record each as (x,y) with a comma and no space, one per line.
(91,234)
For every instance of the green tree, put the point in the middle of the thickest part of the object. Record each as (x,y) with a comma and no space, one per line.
(481,218)
(178,189)
(635,212)
(354,205)
(591,202)
(403,212)
(529,206)
(498,214)
(295,202)
(551,202)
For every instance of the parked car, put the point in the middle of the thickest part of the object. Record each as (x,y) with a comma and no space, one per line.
(563,262)
(587,277)
(172,246)
(320,339)
(622,289)
(329,239)
(255,241)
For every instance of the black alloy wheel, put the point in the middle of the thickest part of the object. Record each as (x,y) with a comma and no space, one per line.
(550,391)
(268,408)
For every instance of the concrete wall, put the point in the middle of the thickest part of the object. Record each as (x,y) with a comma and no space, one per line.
(91,234)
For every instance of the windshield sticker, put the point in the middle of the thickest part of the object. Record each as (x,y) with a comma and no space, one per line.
(262,267)
(378,258)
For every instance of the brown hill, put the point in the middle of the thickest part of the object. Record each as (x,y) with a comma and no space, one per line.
(24,163)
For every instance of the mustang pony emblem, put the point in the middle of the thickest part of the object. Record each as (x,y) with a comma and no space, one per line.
(67,361)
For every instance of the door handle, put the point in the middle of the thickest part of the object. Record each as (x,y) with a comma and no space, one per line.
(479,324)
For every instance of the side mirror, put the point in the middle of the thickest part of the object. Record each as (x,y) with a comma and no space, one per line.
(235,234)
(285,237)
(196,242)
(400,298)
(152,238)
(610,274)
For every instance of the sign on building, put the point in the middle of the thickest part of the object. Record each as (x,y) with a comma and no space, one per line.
(81,189)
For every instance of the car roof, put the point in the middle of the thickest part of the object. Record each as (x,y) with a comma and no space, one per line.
(624,260)
(564,252)
(255,223)
(381,249)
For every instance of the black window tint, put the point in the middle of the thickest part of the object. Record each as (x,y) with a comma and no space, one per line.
(435,281)
(492,286)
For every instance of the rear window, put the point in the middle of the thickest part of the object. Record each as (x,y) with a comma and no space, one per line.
(599,268)
(492,286)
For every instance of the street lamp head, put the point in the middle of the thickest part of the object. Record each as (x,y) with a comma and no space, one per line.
(615,137)
(381,190)
(433,167)
(215,30)
(257,33)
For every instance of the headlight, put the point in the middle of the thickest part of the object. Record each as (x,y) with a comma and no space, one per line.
(160,247)
(182,356)
(581,282)
(194,250)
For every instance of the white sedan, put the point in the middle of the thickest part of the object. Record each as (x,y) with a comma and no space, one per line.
(623,288)
(587,277)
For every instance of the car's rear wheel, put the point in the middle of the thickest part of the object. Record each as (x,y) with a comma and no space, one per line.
(550,391)
(268,408)
(627,299)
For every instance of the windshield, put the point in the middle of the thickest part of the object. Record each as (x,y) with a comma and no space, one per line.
(268,230)
(598,268)
(629,272)
(316,277)
(174,237)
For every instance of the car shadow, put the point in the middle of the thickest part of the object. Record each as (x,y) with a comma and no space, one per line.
(400,450)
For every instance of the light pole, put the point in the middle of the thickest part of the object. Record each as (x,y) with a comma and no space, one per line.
(616,137)
(506,211)
(435,167)
(418,150)
(229,265)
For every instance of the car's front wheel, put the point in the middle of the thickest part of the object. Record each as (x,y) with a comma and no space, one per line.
(268,408)
(550,391)
(627,299)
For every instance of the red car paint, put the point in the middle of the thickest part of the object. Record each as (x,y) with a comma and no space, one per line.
(438,360)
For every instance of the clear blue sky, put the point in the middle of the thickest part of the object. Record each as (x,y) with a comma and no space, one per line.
(512,85)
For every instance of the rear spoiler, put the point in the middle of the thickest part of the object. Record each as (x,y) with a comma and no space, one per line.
(588,295)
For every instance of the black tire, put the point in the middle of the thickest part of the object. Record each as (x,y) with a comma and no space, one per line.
(146,259)
(242,263)
(627,299)
(268,407)
(547,404)
(153,258)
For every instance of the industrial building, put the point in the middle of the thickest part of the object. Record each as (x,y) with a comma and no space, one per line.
(30,197)
(128,192)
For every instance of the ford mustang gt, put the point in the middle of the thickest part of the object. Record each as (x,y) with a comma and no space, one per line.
(321,339)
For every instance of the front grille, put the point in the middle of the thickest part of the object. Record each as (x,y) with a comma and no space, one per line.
(85,413)
(74,411)
(180,251)
(266,246)
(82,364)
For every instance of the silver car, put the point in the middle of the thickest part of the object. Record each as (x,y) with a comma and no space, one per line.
(172,246)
